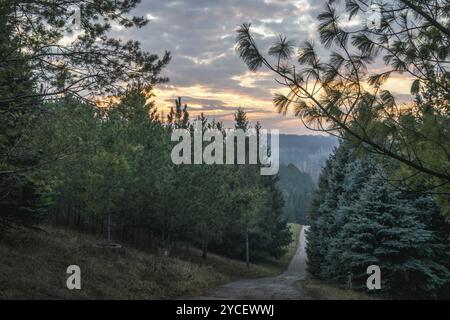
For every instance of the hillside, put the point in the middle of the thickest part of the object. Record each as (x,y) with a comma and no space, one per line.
(33,266)
(308,153)
(296,187)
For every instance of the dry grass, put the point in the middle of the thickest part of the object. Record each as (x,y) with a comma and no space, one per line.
(33,266)
(321,290)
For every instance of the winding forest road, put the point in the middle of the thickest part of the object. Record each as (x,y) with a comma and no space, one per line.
(282,287)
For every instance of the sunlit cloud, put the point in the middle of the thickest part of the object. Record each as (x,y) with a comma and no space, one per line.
(250,79)
(207,73)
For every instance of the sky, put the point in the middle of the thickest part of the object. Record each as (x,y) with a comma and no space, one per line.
(207,73)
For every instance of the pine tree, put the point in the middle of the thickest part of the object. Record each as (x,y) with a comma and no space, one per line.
(384,228)
(21,201)
(356,173)
(240,119)
(436,252)
(314,234)
(358,219)
(324,218)
(179,117)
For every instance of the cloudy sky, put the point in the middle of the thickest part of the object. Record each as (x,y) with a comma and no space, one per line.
(205,69)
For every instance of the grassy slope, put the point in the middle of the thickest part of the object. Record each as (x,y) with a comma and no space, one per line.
(33,266)
(318,289)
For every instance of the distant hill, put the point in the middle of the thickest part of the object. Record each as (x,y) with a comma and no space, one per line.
(301,161)
(308,153)
(296,187)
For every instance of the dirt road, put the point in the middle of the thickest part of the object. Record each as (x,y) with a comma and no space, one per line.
(281,287)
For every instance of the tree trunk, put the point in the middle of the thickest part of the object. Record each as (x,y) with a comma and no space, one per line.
(109,228)
(247,248)
(133,231)
(204,249)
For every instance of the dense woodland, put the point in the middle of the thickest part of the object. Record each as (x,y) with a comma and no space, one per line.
(82,145)
(357,218)
(105,167)
(297,188)
(118,180)
(306,152)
